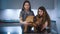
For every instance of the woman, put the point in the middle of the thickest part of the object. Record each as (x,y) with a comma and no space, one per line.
(42,19)
(26,11)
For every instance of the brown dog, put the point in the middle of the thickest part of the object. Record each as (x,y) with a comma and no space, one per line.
(34,23)
(38,24)
(29,19)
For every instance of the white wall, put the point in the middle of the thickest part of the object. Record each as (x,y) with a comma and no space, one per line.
(13,14)
(58,15)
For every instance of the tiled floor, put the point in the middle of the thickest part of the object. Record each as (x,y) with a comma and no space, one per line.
(14,28)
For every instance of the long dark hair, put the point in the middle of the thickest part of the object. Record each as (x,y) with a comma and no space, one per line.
(45,15)
(24,4)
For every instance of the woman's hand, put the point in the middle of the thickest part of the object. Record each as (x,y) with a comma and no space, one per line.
(26,23)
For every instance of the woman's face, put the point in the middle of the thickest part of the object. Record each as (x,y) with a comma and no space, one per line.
(40,12)
(26,6)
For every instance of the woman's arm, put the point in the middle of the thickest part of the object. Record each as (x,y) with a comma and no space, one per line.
(21,14)
(44,25)
(23,22)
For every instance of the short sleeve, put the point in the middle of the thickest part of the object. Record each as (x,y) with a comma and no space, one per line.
(20,14)
(32,13)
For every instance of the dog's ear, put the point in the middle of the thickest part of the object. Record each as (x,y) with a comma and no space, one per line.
(35,19)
